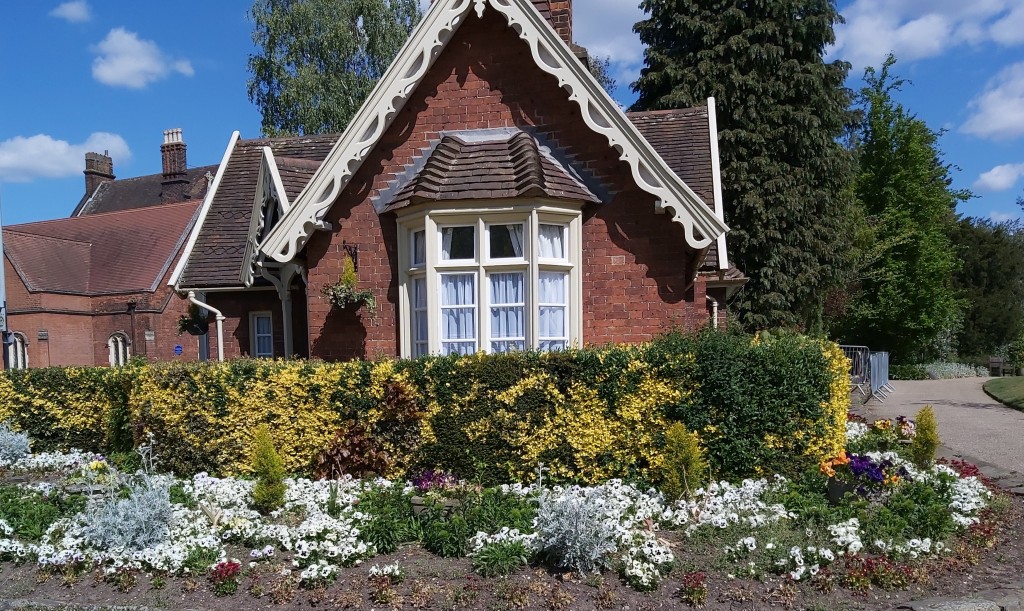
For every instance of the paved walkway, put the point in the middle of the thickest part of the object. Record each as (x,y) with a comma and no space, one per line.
(972,425)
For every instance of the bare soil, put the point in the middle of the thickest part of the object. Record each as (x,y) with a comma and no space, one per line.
(441,583)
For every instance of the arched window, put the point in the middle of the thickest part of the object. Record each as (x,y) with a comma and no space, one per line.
(17,351)
(119,349)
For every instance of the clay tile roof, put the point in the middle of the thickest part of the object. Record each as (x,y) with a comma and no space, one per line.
(140,192)
(502,168)
(683,139)
(98,254)
(295,174)
(217,258)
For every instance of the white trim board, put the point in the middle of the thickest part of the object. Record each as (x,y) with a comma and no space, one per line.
(716,174)
(552,55)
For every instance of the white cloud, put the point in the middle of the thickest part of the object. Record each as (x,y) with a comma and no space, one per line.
(605,28)
(1000,178)
(997,112)
(23,159)
(916,29)
(76,11)
(125,60)
(1001,217)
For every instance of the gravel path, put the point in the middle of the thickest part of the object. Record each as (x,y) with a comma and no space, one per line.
(972,425)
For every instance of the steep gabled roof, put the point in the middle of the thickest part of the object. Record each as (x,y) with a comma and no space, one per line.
(215,256)
(600,113)
(140,192)
(687,138)
(98,254)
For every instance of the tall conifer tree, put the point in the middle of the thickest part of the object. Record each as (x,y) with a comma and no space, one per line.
(781,113)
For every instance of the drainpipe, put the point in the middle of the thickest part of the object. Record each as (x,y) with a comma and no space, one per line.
(714,311)
(220,323)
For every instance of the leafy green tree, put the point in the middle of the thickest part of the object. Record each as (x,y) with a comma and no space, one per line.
(781,113)
(904,301)
(601,68)
(992,282)
(317,60)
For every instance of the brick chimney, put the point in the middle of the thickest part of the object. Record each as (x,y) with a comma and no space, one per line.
(98,170)
(561,19)
(172,151)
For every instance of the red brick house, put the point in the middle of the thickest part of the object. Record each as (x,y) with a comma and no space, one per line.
(490,194)
(93,289)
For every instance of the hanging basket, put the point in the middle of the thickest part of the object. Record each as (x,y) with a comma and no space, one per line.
(197,327)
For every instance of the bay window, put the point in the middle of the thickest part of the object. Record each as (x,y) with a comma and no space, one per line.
(488,280)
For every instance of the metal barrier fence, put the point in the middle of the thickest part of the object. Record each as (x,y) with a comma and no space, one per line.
(869,372)
(879,376)
(859,364)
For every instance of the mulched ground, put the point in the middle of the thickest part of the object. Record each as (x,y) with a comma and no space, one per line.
(438,583)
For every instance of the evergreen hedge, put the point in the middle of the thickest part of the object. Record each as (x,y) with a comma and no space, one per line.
(771,403)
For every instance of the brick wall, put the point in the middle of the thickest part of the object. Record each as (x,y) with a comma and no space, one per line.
(236,307)
(635,273)
(78,327)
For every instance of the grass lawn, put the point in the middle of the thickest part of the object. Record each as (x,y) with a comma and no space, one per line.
(1008,391)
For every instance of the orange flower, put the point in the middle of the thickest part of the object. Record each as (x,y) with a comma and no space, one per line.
(826,468)
(842,459)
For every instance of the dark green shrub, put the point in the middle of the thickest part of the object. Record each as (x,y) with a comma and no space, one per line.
(499,559)
(30,513)
(908,372)
(268,494)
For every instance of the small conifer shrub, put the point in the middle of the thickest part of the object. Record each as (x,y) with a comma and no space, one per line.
(926,442)
(268,467)
(685,465)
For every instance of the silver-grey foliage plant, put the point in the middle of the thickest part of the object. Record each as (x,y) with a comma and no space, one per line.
(136,522)
(13,445)
(573,532)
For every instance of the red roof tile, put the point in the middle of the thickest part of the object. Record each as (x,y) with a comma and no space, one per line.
(219,252)
(97,254)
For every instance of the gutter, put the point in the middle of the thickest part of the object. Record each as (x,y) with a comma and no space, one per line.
(220,323)
(714,311)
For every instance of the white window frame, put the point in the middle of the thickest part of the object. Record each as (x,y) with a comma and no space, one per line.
(254,340)
(483,215)
(119,349)
(17,351)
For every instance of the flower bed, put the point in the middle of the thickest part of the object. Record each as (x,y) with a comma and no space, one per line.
(775,530)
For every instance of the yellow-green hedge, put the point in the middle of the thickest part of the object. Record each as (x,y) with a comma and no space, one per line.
(759,404)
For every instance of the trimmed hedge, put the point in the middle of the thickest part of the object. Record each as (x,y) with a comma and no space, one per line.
(762,404)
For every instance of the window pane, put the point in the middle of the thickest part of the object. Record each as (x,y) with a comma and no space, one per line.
(458,313)
(419,247)
(419,316)
(458,243)
(264,346)
(263,325)
(506,241)
(508,312)
(553,311)
(551,241)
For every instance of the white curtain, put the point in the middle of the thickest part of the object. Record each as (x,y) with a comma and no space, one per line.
(515,232)
(508,311)
(446,242)
(554,306)
(552,242)
(458,313)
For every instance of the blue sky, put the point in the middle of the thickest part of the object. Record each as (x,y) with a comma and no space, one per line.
(113,74)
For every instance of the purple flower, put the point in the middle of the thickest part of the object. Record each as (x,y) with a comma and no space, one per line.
(430,480)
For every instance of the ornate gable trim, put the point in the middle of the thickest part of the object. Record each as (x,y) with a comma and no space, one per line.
(551,55)
(270,191)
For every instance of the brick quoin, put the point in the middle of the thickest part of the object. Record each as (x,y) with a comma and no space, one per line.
(636,281)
